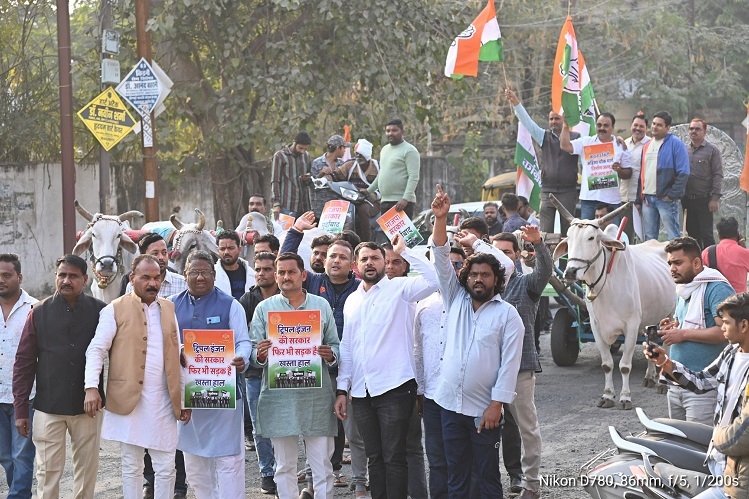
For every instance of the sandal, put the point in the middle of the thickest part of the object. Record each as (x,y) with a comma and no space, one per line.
(346,459)
(339,479)
(301,477)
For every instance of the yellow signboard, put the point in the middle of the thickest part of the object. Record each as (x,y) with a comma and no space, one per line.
(107,118)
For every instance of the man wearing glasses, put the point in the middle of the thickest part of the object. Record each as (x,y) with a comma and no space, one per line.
(212,442)
(705,180)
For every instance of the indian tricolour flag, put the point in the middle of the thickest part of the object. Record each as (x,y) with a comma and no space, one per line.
(347,138)
(529,173)
(571,90)
(481,41)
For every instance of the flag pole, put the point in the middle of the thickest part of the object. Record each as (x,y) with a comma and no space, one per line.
(569,4)
(504,72)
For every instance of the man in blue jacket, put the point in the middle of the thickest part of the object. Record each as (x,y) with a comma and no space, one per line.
(335,284)
(663,179)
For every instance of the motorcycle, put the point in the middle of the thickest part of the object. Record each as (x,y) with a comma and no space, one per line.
(678,449)
(326,190)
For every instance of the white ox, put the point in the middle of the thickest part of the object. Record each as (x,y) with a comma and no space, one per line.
(638,291)
(106,237)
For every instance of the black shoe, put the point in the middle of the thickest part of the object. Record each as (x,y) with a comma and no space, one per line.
(268,486)
(516,484)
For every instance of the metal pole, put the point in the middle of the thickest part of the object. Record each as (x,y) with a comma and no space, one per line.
(150,168)
(66,126)
(106,23)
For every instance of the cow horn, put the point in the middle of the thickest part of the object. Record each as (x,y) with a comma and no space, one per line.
(611,215)
(563,212)
(201,219)
(130,214)
(175,221)
(83,211)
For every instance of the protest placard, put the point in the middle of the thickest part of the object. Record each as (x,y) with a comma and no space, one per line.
(598,162)
(397,222)
(293,359)
(209,379)
(286,221)
(333,217)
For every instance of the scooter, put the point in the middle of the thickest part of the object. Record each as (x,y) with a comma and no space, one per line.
(619,472)
(326,190)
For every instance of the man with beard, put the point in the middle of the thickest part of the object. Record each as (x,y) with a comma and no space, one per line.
(361,170)
(289,175)
(284,415)
(491,216)
(396,266)
(234,276)
(258,204)
(153,244)
(694,335)
(16,451)
(138,332)
(558,168)
(64,322)
(319,246)
(377,364)
(480,364)
(335,284)
(265,276)
(400,165)
(213,441)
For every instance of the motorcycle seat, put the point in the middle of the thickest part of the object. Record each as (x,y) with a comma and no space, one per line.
(687,481)
(673,453)
(696,432)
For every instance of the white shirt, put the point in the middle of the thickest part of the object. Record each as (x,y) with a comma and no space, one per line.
(608,195)
(377,345)
(152,423)
(481,360)
(10,335)
(429,343)
(628,187)
(222,278)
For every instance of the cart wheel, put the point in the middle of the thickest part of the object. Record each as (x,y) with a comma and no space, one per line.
(564,345)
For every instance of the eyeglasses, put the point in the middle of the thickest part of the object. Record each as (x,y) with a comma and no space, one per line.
(200,273)
(694,129)
(457,265)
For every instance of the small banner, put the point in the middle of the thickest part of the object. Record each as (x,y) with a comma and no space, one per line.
(209,379)
(397,222)
(293,360)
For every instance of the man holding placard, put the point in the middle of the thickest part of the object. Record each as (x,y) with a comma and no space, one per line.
(292,334)
(213,441)
(604,163)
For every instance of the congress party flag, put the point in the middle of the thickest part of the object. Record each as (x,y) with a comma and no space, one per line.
(529,173)
(347,138)
(481,41)
(571,89)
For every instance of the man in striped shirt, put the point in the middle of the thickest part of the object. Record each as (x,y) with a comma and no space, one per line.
(289,176)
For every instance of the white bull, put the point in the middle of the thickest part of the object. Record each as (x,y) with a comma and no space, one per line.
(106,237)
(638,291)
(186,238)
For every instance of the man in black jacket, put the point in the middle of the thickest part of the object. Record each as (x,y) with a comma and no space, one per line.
(52,352)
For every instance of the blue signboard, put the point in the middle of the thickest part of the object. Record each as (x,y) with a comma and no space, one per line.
(141,88)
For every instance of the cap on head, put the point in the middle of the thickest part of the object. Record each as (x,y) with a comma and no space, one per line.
(364,147)
(338,141)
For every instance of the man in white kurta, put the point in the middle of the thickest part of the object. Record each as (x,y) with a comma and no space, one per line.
(143,388)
